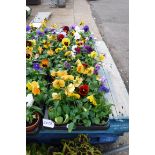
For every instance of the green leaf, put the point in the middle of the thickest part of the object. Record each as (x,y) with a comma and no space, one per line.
(70,127)
(96,120)
(66,119)
(59,120)
(87,123)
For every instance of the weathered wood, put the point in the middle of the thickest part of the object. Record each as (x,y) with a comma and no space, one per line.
(118,95)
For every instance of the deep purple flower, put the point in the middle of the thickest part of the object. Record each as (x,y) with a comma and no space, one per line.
(104,88)
(36,66)
(88,48)
(28,28)
(39,33)
(67,65)
(86,28)
(46,30)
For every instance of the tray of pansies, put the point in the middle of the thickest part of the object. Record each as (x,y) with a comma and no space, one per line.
(63,83)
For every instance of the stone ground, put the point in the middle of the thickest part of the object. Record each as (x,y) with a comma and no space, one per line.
(112,19)
(77,10)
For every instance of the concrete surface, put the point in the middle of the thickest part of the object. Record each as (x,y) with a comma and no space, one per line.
(112,19)
(77,10)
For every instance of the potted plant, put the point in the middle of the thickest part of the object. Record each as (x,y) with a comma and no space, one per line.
(33,117)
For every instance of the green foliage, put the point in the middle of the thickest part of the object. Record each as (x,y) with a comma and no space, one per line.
(31,113)
(78,146)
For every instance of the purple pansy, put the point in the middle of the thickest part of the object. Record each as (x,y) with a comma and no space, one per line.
(46,30)
(97,67)
(36,66)
(40,33)
(86,28)
(88,48)
(73,26)
(103,88)
(67,65)
(28,28)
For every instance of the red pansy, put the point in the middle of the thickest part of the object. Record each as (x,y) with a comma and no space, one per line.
(60,37)
(83,90)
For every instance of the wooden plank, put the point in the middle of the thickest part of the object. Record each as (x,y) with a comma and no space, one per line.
(118,94)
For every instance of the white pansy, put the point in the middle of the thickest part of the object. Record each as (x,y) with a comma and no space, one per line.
(74,47)
(29,100)
(72,54)
(77,35)
(77,29)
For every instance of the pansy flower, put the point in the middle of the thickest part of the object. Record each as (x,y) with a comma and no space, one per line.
(60,37)
(86,28)
(66,42)
(29,43)
(28,55)
(104,88)
(36,66)
(56,96)
(58,84)
(50,52)
(92,100)
(66,29)
(77,81)
(44,63)
(28,28)
(83,90)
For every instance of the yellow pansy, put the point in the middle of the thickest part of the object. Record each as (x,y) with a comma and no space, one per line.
(28,55)
(69,89)
(89,71)
(58,50)
(40,49)
(50,52)
(81,23)
(78,62)
(33,41)
(101,57)
(61,73)
(77,81)
(66,42)
(53,73)
(54,25)
(29,49)
(34,84)
(31,25)
(51,37)
(92,100)
(56,96)
(47,44)
(68,77)
(77,96)
(93,54)
(28,85)
(64,48)
(58,84)
(80,68)
(67,53)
